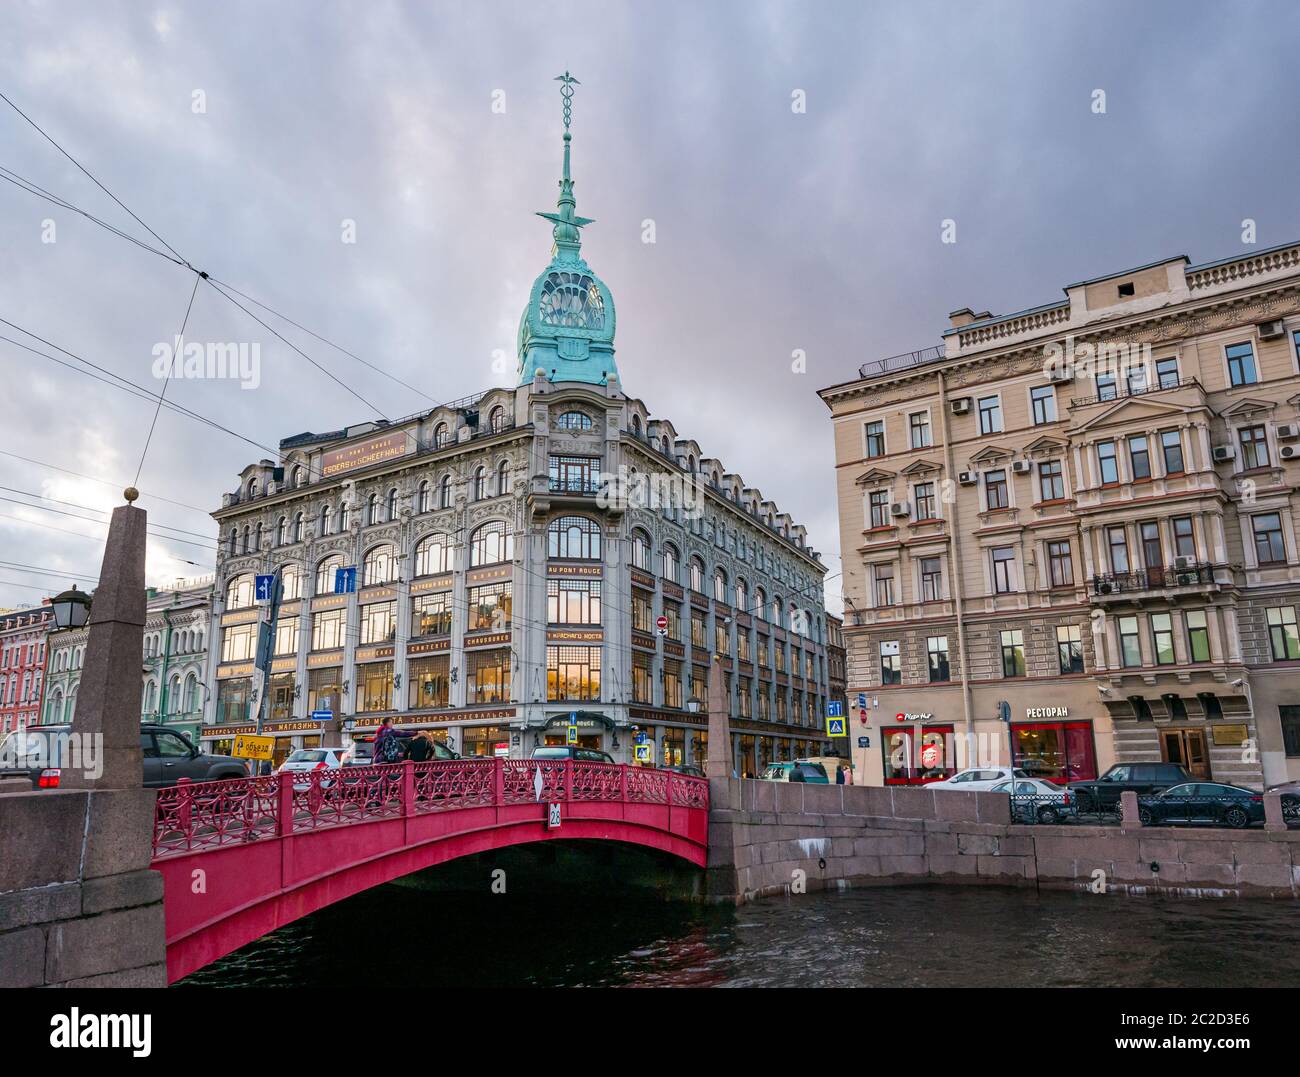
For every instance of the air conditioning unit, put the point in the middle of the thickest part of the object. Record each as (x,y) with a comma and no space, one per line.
(1288,431)
(1181,564)
(1289,452)
(1104,588)
(1060,375)
(961,406)
(968,478)
(1224,452)
(1270,330)
(1021,467)
(900,508)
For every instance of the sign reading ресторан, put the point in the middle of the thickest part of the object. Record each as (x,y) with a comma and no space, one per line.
(371,451)
(1047,712)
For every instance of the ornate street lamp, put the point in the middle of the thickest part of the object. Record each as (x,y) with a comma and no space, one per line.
(694,705)
(71,609)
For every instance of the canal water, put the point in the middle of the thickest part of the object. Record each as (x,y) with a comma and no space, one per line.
(882,937)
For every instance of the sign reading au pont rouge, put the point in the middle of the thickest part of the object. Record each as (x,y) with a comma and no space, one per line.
(371,451)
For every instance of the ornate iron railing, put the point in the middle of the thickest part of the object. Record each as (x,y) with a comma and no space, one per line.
(1152,579)
(1122,390)
(193,817)
(904,361)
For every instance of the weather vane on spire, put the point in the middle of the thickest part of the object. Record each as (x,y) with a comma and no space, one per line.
(566,221)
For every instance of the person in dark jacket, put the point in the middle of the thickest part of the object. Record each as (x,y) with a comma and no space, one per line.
(386,731)
(421,747)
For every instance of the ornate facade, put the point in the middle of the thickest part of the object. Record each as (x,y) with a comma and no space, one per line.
(1085,511)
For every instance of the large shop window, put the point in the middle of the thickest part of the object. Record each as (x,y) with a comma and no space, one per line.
(573,673)
(915,756)
(1057,751)
(574,538)
(429,680)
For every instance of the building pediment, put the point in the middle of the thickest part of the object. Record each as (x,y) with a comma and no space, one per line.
(1046,446)
(1249,406)
(922,467)
(876,477)
(1136,410)
(990,454)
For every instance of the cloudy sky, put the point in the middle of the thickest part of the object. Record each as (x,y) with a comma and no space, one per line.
(246,134)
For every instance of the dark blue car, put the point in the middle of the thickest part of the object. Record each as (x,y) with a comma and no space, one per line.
(1203,804)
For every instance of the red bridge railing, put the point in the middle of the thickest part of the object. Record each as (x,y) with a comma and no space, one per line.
(193,817)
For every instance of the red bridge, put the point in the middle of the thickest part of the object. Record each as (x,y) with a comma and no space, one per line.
(241,858)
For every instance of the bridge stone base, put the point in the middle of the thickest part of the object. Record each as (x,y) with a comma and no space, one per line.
(79,906)
(762,833)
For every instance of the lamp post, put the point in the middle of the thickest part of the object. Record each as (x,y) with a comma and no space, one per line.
(71,609)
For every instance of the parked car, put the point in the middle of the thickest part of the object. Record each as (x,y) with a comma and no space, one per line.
(572,751)
(1203,803)
(800,770)
(41,752)
(1290,792)
(977,779)
(1102,794)
(1038,801)
(303,760)
(689,769)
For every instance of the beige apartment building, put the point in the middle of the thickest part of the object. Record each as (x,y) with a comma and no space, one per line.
(1085,511)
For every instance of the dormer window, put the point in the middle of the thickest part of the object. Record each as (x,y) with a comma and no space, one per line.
(1126,290)
(576,420)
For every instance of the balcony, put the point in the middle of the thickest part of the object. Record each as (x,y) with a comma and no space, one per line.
(574,485)
(1122,391)
(1147,580)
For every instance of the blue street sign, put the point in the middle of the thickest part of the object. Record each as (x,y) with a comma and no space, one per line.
(573,717)
(835,727)
(265,585)
(322,716)
(640,737)
(345,580)
(571,736)
(835,709)
(864,742)
(862,701)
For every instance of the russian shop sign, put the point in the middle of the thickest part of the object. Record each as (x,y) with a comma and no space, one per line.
(1047,712)
(906,716)
(363,453)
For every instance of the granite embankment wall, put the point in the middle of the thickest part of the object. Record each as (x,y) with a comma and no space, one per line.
(761,833)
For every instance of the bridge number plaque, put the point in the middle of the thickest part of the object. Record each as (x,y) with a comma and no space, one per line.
(552,816)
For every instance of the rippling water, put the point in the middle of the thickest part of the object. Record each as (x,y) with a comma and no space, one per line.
(896,937)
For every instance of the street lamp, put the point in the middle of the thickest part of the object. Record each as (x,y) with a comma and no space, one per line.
(694,705)
(71,609)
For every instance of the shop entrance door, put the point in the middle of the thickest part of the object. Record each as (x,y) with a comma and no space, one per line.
(1187,747)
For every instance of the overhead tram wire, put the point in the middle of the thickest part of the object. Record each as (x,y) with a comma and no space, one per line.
(104,523)
(83,535)
(87,508)
(102,482)
(180,346)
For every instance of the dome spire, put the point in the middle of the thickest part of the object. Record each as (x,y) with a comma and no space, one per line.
(568,242)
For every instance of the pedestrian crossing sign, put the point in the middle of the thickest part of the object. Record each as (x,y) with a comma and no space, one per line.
(835,727)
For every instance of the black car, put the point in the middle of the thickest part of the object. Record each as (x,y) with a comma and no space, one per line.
(1102,794)
(40,753)
(570,751)
(1203,803)
(691,769)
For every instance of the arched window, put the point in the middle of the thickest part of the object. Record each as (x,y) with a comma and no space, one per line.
(257,537)
(441,435)
(576,420)
(325,573)
(720,585)
(247,539)
(297,527)
(480,483)
(667,448)
(326,518)
(174,700)
(234,541)
(190,699)
(291,580)
(641,550)
(281,531)
(742,594)
(490,545)
(444,492)
(426,496)
(239,592)
(497,419)
(670,562)
(636,425)
(715,480)
(392,504)
(432,555)
(574,537)
(345,516)
(298,476)
(697,575)
(372,509)
(777,616)
(379,566)
(503,477)
(252,486)
(760,601)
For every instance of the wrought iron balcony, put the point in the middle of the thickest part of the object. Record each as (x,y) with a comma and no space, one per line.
(1152,579)
(575,485)
(1122,390)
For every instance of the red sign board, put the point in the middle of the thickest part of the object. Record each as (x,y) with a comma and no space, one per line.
(661,622)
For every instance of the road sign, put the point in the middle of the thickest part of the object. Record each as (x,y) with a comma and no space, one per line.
(639,737)
(862,701)
(322,716)
(644,753)
(501,749)
(345,580)
(571,735)
(835,709)
(661,622)
(552,816)
(864,742)
(264,588)
(835,727)
(248,746)
(1004,711)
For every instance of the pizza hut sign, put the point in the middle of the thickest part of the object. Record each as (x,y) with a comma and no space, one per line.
(904,716)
